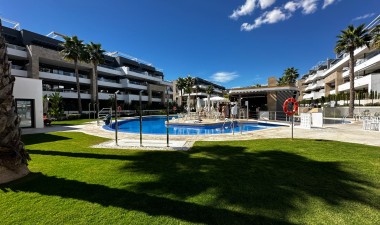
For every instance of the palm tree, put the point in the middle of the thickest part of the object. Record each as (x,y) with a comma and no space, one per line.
(189,83)
(349,40)
(181,86)
(289,77)
(375,33)
(94,54)
(13,156)
(73,50)
(209,91)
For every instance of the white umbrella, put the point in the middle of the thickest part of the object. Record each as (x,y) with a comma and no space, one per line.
(199,105)
(219,99)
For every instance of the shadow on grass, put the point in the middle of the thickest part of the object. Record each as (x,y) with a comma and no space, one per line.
(264,186)
(152,205)
(80,155)
(31,139)
(274,181)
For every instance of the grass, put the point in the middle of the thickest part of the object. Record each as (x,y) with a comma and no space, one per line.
(72,122)
(277,181)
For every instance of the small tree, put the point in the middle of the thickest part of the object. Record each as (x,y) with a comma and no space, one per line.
(55,109)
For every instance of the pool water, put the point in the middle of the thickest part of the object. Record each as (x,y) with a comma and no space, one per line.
(156,125)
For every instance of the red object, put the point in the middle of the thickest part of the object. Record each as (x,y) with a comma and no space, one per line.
(285,106)
(174,108)
(119,108)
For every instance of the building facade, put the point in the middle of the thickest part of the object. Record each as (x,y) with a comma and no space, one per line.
(332,76)
(36,56)
(199,91)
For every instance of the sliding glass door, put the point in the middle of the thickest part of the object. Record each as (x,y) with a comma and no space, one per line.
(25,110)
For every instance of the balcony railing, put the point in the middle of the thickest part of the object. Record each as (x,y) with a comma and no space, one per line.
(61,72)
(61,90)
(16,47)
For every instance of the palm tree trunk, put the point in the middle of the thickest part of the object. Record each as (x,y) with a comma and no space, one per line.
(78,87)
(13,156)
(352,86)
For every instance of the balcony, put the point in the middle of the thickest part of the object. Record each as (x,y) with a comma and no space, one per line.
(168,83)
(316,85)
(17,51)
(108,83)
(315,95)
(344,61)
(67,93)
(133,97)
(359,83)
(365,63)
(144,75)
(110,70)
(126,83)
(18,71)
(64,76)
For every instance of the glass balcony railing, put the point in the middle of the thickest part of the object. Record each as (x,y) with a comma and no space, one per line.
(16,47)
(61,72)
(62,90)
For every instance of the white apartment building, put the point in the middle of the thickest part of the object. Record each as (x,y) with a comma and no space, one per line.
(35,56)
(332,76)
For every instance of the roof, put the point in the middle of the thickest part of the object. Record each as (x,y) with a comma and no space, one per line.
(262,89)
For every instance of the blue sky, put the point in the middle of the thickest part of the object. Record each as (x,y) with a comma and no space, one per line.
(234,43)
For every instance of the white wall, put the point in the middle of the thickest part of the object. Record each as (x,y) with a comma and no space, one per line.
(27,88)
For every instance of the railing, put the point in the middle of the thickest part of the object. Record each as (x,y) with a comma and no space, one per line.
(61,90)
(107,80)
(16,47)
(110,67)
(61,72)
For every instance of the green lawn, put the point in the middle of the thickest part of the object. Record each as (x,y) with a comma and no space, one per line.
(72,122)
(237,182)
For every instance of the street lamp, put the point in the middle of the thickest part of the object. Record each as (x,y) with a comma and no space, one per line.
(116,126)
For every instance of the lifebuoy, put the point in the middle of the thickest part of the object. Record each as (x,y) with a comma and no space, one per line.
(285,106)
(119,108)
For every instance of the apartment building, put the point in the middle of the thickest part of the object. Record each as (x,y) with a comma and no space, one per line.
(332,76)
(312,84)
(199,90)
(36,56)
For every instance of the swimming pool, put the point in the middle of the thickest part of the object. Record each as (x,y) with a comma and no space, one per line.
(156,125)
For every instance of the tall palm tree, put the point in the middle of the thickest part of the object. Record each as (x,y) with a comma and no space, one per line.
(13,156)
(73,50)
(349,40)
(209,91)
(189,83)
(94,54)
(181,86)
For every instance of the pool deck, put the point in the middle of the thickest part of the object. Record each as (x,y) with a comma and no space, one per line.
(352,133)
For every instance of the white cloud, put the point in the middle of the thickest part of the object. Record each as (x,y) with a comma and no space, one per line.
(269,17)
(308,6)
(364,16)
(243,10)
(291,6)
(224,77)
(280,13)
(327,3)
(266,3)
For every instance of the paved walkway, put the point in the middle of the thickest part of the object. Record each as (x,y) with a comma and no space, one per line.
(338,132)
